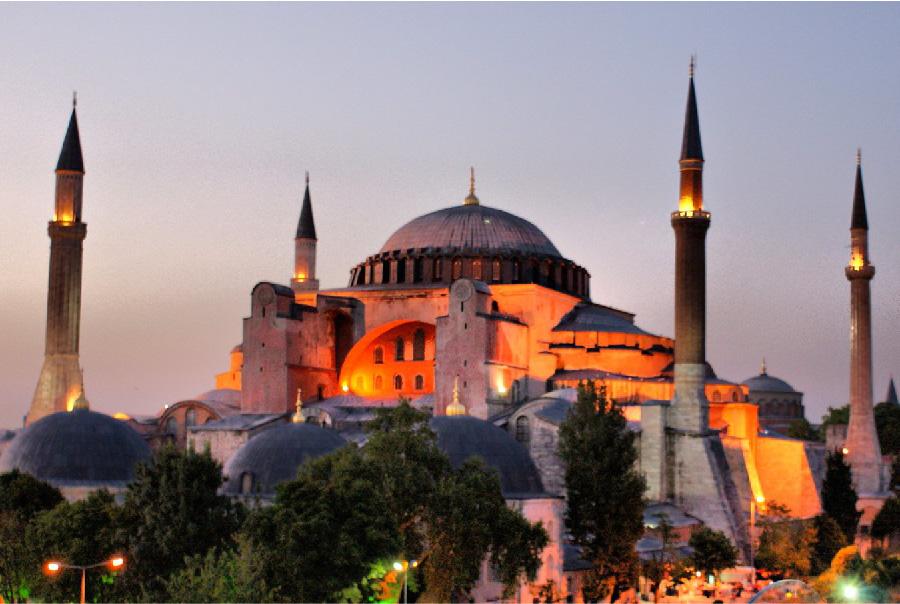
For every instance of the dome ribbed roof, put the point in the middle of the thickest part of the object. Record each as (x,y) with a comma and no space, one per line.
(471,227)
(77,448)
(767,383)
(461,437)
(275,455)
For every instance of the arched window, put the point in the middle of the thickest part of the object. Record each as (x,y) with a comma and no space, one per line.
(418,266)
(385,271)
(190,418)
(523,432)
(378,382)
(438,272)
(419,345)
(495,273)
(246,483)
(378,355)
(399,349)
(457,269)
(717,397)
(398,382)
(517,271)
(734,397)
(495,307)
(420,382)
(476,269)
(171,425)
(320,392)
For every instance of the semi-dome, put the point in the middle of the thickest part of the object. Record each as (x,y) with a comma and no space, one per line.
(461,437)
(77,448)
(471,226)
(274,456)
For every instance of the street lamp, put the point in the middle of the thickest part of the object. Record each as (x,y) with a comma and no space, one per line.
(850,592)
(404,566)
(114,563)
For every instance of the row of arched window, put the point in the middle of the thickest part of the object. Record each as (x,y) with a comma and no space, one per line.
(418,348)
(779,408)
(378,382)
(717,397)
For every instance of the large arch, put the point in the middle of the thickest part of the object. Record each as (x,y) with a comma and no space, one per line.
(363,366)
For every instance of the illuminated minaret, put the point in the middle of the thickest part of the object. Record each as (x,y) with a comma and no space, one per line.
(690,409)
(305,242)
(864,451)
(60,382)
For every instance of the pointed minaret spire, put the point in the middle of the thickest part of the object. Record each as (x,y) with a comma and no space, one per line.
(892,393)
(305,243)
(691,160)
(859,219)
(471,200)
(70,159)
(81,403)
(691,148)
(762,369)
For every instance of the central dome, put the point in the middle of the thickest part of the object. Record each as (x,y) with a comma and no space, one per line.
(471,227)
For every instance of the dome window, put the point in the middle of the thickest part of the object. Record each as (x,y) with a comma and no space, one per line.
(246,483)
(523,430)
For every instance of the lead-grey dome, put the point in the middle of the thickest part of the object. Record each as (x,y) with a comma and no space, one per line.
(461,437)
(471,227)
(768,383)
(77,448)
(275,455)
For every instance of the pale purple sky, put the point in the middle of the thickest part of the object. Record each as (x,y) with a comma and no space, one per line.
(197,122)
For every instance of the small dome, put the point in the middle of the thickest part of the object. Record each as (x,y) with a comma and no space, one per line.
(78,448)
(463,436)
(767,383)
(275,455)
(471,227)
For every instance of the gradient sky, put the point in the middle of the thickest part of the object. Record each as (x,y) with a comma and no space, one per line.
(197,122)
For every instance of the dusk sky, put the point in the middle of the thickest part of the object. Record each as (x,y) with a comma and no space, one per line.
(198,121)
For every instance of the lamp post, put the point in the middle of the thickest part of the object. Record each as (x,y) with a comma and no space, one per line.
(403,566)
(114,563)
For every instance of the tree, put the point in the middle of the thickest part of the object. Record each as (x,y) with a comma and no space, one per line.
(713,551)
(887,522)
(829,540)
(786,544)
(83,532)
(834,415)
(172,510)
(838,496)
(887,422)
(22,497)
(605,491)
(801,428)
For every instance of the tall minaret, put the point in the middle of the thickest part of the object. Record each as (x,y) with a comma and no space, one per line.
(690,409)
(864,451)
(60,382)
(305,242)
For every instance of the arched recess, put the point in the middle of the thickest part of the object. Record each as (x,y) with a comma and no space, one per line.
(360,372)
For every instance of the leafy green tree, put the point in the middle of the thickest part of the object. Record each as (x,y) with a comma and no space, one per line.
(26,495)
(231,574)
(834,415)
(838,496)
(83,532)
(22,497)
(172,511)
(887,422)
(802,429)
(605,491)
(887,522)
(786,544)
(829,540)
(713,551)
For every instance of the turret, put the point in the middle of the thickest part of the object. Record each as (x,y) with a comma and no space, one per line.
(305,242)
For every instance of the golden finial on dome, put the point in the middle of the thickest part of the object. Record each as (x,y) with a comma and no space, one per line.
(81,402)
(471,200)
(298,418)
(762,369)
(455,407)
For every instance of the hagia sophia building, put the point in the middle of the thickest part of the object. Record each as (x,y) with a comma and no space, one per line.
(473,314)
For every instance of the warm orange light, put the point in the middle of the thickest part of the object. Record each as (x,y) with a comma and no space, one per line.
(301,276)
(116,562)
(501,387)
(845,450)
(120,415)
(856,261)
(53,567)
(760,499)
(686,204)
(345,387)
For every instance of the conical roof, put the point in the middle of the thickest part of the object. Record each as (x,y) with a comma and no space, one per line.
(691,148)
(892,393)
(70,155)
(859,219)
(306,227)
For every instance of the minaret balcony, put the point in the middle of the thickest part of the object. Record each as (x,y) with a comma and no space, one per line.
(859,271)
(691,214)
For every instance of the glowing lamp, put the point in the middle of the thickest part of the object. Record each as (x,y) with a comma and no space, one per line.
(345,387)
(116,562)
(698,574)
(686,204)
(760,499)
(850,591)
(53,567)
(501,387)
(398,566)
(845,450)
(856,262)
(301,276)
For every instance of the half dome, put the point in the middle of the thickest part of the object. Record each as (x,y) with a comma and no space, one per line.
(77,448)
(471,227)
(274,456)
(461,437)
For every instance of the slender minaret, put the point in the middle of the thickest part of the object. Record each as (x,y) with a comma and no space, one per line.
(305,242)
(690,409)
(60,382)
(891,396)
(864,451)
